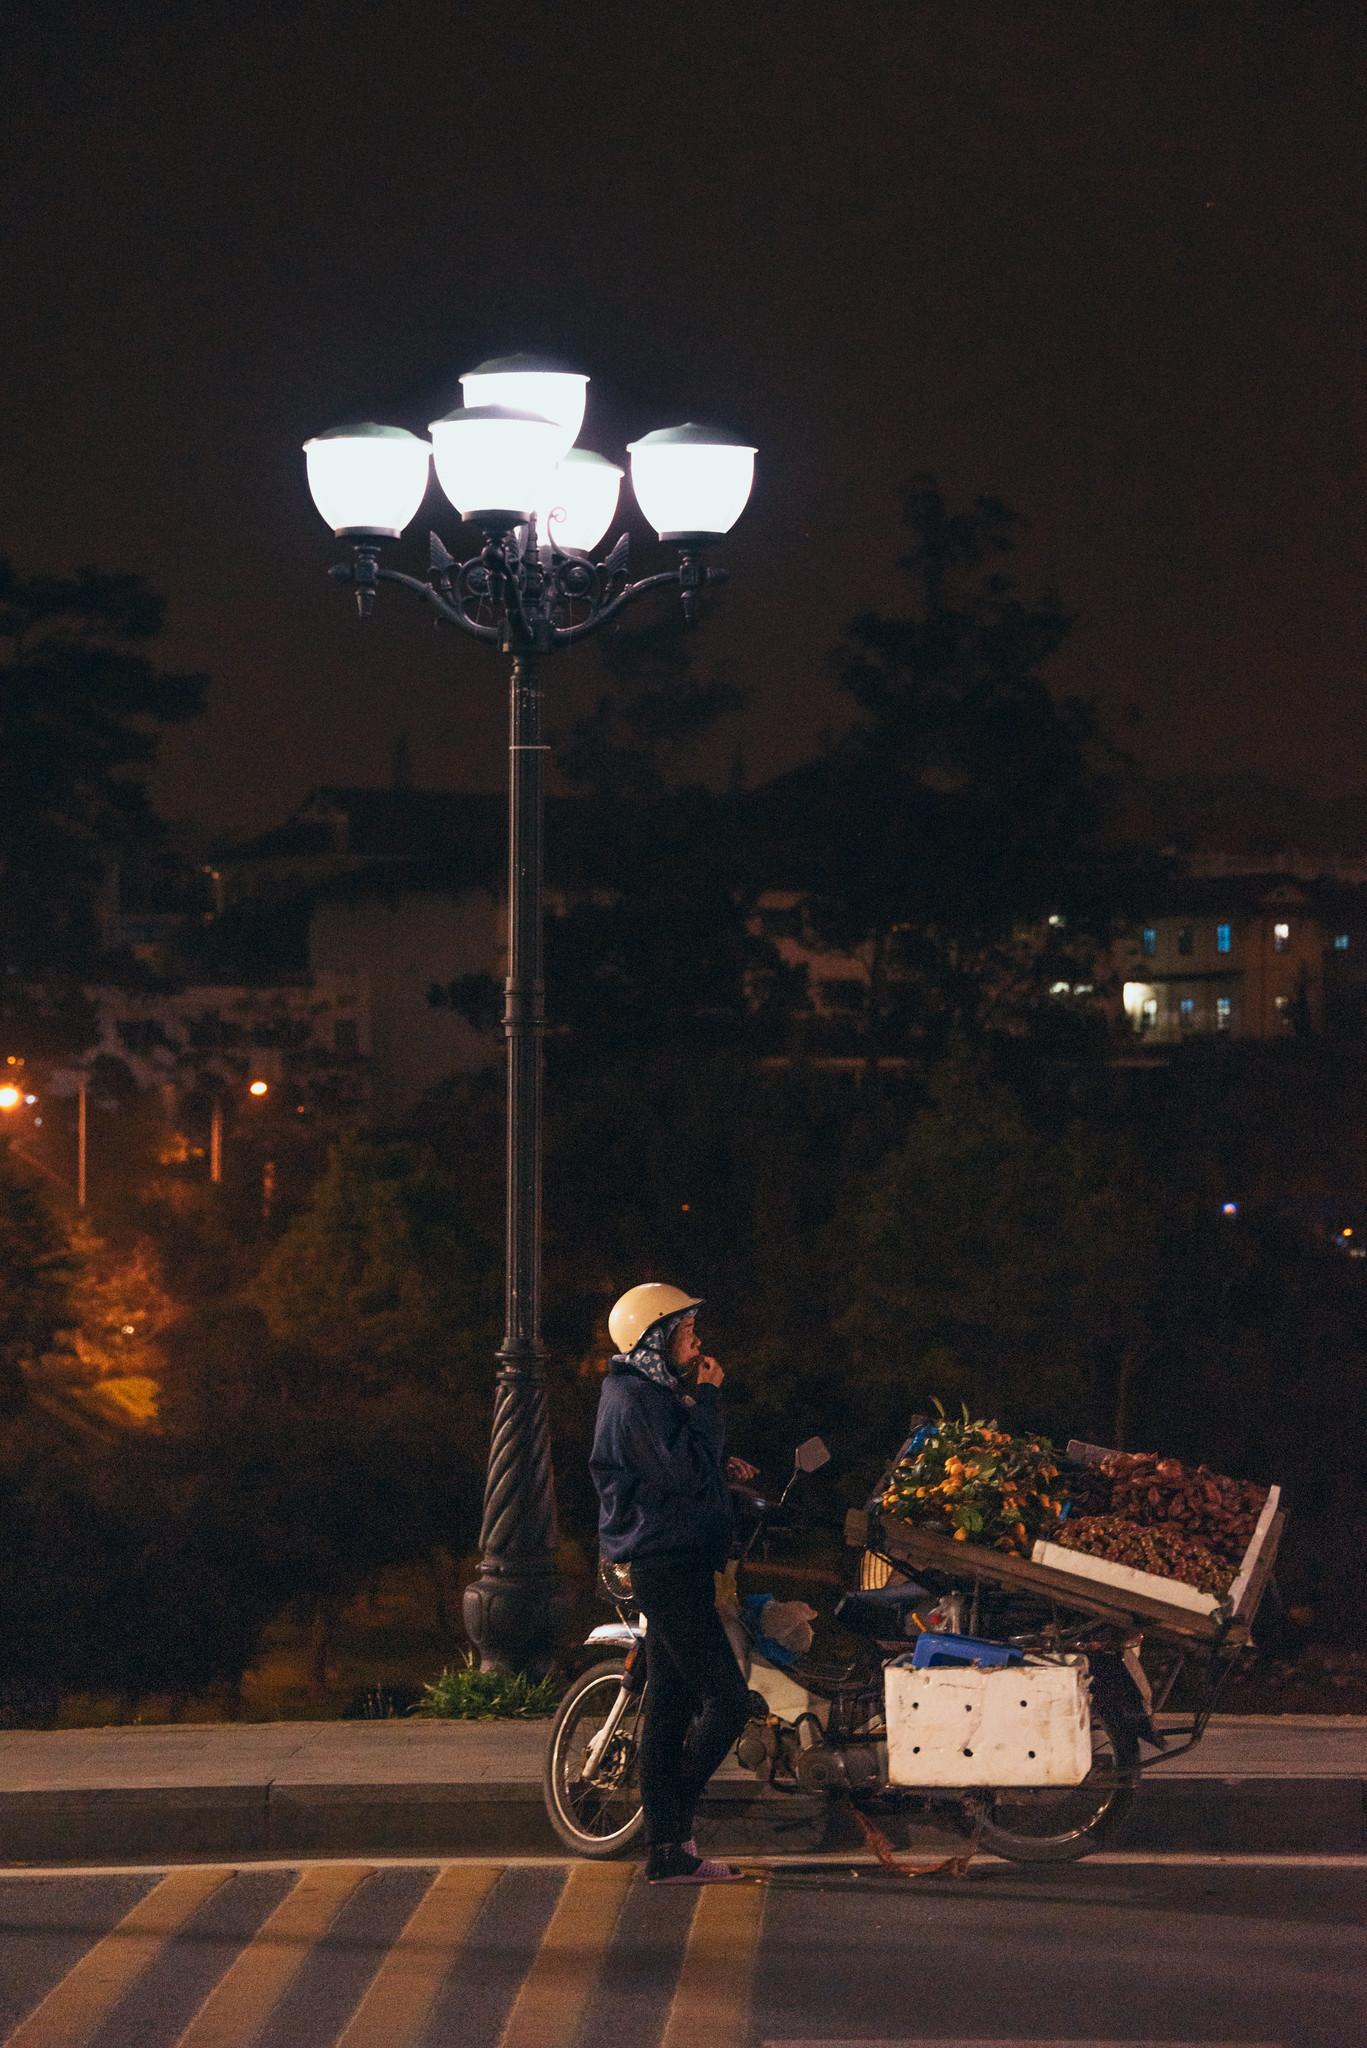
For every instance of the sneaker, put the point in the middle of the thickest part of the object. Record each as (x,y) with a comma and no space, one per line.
(677,1863)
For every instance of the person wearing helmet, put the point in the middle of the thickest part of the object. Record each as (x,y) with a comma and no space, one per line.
(664,1510)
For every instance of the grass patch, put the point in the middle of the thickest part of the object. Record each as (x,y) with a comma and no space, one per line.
(466,1693)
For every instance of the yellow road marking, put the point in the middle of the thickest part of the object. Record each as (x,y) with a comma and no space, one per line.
(246,1995)
(75,2008)
(712,1997)
(394,2010)
(549,2009)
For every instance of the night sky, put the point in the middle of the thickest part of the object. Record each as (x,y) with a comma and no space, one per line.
(1103,258)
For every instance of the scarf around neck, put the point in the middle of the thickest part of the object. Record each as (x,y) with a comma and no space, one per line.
(650,1357)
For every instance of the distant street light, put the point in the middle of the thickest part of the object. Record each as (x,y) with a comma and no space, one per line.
(257,1088)
(506,460)
(12,1098)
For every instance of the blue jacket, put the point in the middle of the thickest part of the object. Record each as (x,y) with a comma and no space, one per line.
(657,1465)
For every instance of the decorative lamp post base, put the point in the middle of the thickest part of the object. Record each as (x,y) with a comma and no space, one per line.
(516,1613)
(516,1609)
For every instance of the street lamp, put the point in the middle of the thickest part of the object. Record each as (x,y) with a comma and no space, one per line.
(506,459)
(256,1087)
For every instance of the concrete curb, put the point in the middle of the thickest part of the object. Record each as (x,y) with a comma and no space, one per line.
(411,1787)
(186,1822)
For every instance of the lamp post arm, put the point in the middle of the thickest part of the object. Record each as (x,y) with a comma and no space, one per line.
(688,577)
(441,605)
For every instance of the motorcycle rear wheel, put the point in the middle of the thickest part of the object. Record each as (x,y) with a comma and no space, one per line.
(1060,1825)
(603,1816)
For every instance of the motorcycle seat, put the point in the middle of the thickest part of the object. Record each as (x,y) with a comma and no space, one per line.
(883,1612)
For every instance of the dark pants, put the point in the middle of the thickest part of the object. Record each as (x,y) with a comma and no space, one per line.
(697,1700)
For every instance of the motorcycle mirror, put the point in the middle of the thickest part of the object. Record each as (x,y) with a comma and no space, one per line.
(811,1456)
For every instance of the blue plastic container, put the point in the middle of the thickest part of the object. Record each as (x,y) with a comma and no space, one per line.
(932,1649)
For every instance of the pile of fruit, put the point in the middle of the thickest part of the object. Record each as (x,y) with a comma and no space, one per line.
(1221,1513)
(1164,1549)
(977,1484)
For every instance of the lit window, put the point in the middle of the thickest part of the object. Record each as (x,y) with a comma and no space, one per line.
(1223,1012)
(1186,1012)
(1148,1016)
(1148,942)
(1222,938)
(1284,1012)
(1281,937)
(1060,988)
(1341,942)
(1184,939)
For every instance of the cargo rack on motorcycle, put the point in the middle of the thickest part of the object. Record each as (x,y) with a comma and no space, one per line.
(1217,1635)
(914,1549)
(1082,1584)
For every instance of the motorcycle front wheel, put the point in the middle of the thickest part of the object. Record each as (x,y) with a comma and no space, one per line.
(598,1813)
(1059,1824)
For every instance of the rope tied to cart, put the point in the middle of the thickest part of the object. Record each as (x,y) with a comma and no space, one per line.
(949,1866)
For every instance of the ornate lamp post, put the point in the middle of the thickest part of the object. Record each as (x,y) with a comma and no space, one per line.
(506,460)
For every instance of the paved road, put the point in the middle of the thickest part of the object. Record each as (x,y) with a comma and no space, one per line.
(538,1954)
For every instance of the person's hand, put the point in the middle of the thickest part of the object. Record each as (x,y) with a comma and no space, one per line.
(710,1373)
(739,1472)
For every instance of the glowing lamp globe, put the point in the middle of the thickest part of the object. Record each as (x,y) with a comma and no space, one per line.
(530,383)
(691,482)
(494,463)
(583,499)
(368,481)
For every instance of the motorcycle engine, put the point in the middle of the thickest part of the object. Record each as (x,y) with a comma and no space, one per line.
(757,1745)
(820,1768)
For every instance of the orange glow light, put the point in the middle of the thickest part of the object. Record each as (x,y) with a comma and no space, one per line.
(258,1088)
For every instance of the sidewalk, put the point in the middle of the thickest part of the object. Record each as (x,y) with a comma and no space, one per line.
(417,1787)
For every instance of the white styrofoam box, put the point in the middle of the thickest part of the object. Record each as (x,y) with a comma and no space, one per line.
(1018,1724)
(1126,1579)
(1255,1548)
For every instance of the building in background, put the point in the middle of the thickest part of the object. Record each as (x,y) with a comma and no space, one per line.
(1245,956)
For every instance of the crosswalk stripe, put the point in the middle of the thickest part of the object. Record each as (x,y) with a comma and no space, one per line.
(712,1997)
(394,2010)
(76,2007)
(549,2009)
(249,1991)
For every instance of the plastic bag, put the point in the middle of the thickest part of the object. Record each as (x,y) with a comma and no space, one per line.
(788,1623)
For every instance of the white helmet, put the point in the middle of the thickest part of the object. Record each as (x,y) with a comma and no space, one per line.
(641,1306)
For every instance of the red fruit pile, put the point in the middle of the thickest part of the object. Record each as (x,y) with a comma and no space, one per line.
(1152,1491)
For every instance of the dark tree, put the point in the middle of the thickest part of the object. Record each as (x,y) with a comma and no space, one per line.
(632,744)
(36,1272)
(81,705)
(654,948)
(963,806)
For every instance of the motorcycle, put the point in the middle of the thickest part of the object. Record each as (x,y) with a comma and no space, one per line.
(824,1730)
